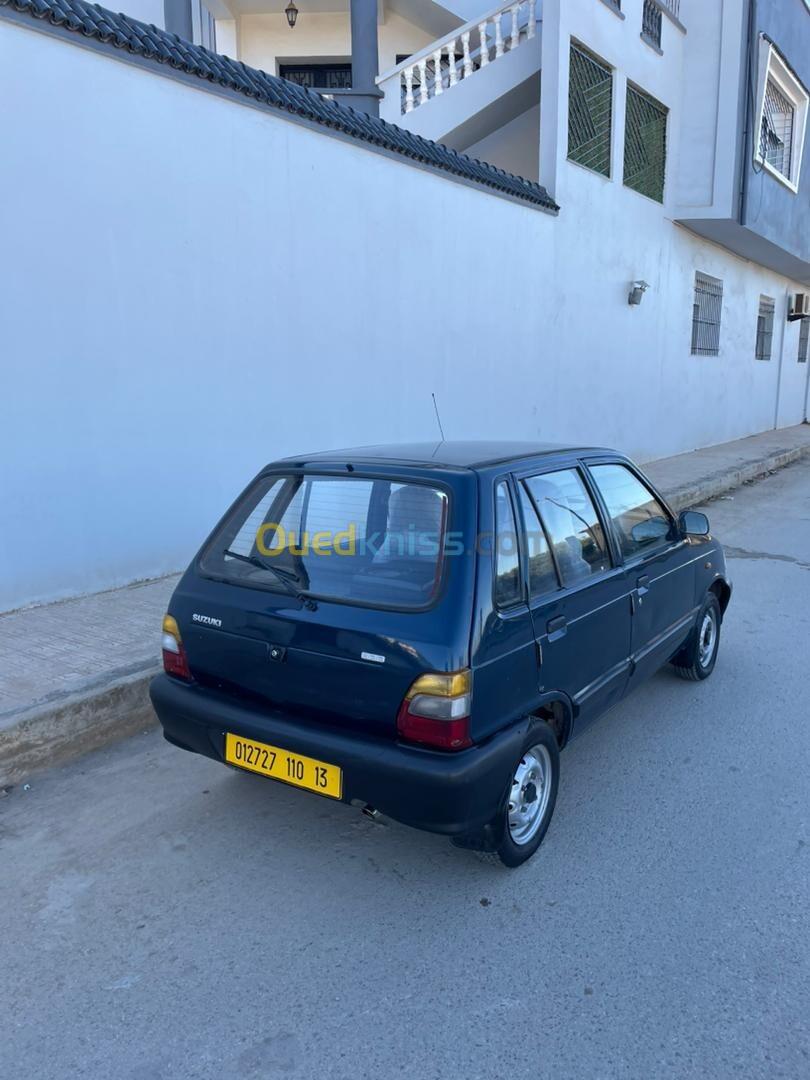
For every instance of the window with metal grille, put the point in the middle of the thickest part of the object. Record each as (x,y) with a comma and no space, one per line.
(645,144)
(706,313)
(590,111)
(804,339)
(323,76)
(767,306)
(776,132)
(651,23)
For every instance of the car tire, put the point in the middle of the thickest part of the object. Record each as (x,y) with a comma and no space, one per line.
(530,797)
(697,658)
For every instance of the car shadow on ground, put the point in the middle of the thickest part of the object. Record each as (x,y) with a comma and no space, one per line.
(606,773)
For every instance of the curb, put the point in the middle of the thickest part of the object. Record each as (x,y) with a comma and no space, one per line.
(50,734)
(709,487)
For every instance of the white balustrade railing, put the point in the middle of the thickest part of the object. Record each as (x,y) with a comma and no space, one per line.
(458,55)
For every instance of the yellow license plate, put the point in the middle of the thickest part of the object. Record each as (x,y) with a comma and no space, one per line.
(305,772)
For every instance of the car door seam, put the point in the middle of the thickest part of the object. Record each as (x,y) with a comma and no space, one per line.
(597,684)
(659,639)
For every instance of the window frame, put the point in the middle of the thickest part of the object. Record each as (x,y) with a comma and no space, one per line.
(575,45)
(764,301)
(621,559)
(650,552)
(804,341)
(521,485)
(521,601)
(639,91)
(315,64)
(325,472)
(773,67)
(706,279)
(579,466)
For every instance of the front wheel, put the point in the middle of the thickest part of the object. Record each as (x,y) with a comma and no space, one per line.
(697,659)
(530,798)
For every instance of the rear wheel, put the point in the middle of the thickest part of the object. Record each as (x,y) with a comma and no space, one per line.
(530,798)
(697,659)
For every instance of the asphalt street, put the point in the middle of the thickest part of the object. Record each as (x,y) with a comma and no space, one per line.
(164,917)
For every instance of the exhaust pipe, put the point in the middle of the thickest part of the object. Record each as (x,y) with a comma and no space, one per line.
(372,812)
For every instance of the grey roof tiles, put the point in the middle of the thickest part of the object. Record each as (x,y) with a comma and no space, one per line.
(163,48)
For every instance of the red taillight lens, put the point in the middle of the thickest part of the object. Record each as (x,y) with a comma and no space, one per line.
(175,661)
(436,711)
(444,734)
(176,664)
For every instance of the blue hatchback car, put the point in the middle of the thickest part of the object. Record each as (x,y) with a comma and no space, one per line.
(420,629)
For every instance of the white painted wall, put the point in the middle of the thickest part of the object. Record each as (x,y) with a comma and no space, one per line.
(151,364)
(705,176)
(148,11)
(265,40)
(514,147)
(609,235)
(227,38)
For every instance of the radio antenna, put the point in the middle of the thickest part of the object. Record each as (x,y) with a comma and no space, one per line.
(438,418)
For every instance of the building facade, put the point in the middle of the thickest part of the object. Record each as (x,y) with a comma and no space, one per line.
(210,266)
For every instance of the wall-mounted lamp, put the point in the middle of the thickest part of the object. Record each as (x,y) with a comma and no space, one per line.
(637,290)
(291,11)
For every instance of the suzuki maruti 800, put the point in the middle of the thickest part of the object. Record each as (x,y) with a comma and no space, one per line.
(421,629)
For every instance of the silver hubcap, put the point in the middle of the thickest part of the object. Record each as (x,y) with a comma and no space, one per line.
(529,794)
(708,637)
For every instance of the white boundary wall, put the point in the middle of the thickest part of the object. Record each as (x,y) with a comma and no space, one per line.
(192,287)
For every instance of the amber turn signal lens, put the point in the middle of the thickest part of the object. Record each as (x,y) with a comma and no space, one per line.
(440,685)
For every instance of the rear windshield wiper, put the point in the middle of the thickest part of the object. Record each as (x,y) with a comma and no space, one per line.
(286,577)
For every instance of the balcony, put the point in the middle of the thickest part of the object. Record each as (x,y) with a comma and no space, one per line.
(463,86)
(454,82)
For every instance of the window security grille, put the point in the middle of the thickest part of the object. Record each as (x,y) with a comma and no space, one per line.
(706,315)
(320,76)
(765,327)
(590,110)
(776,134)
(651,23)
(804,340)
(645,145)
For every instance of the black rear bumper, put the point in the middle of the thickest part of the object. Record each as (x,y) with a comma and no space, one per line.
(451,793)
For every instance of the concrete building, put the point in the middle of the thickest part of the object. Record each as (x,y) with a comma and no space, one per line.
(207,266)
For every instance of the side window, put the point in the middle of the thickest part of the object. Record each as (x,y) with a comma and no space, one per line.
(507,562)
(640,520)
(572,524)
(542,575)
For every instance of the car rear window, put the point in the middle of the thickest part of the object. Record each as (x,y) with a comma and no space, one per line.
(376,541)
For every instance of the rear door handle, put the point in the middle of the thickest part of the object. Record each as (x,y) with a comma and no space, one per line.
(643,585)
(557,628)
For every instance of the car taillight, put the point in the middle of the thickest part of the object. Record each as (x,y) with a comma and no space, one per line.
(174,655)
(436,711)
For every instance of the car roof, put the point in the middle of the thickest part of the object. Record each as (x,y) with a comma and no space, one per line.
(454,454)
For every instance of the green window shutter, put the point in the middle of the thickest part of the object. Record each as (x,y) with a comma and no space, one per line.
(645,145)
(590,111)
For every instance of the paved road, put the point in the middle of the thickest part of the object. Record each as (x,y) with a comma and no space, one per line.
(163,917)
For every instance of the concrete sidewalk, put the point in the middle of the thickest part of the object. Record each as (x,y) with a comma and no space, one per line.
(74,674)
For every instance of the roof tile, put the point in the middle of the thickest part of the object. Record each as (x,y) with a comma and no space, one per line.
(152,43)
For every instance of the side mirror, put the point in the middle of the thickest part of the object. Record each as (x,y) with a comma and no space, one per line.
(646,532)
(693,523)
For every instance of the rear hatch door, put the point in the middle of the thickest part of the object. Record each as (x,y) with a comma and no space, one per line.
(365,594)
